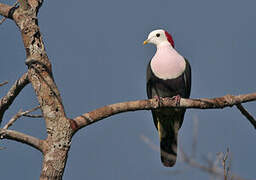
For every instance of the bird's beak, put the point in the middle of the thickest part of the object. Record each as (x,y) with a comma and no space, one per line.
(146,42)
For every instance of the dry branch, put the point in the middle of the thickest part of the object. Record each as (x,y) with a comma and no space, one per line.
(224,164)
(24,4)
(4,18)
(33,115)
(247,115)
(203,103)
(3,83)
(190,161)
(18,115)
(4,9)
(57,143)
(7,100)
(195,136)
(216,171)
(23,138)
(59,128)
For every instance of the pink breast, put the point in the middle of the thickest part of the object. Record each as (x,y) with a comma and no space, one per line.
(167,63)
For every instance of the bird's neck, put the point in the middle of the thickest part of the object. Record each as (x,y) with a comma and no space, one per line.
(164,44)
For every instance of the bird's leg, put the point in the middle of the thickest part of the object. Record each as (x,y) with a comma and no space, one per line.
(177,99)
(158,99)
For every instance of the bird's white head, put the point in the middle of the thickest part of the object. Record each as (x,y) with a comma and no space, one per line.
(158,37)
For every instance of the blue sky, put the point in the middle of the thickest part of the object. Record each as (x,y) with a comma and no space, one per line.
(97,55)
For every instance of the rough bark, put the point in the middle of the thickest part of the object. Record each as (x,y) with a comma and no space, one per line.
(56,146)
(4,9)
(203,103)
(23,138)
(60,129)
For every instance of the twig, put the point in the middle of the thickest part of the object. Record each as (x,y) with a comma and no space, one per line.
(213,170)
(218,159)
(247,114)
(23,138)
(226,167)
(146,140)
(207,158)
(195,134)
(2,20)
(33,115)
(225,157)
(7,100)
(191,162)
(3,83)
(18,115)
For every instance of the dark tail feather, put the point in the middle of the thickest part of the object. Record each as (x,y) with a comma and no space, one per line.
(168,146)
(168,125)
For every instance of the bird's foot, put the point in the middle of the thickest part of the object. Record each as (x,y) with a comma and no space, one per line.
(158,99)
(177,99)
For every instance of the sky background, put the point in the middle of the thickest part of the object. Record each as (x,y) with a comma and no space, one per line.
(96,51)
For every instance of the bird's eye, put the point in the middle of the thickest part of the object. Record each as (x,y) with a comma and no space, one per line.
(157,35)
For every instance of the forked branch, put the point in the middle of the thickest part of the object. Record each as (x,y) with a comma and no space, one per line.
(4,18)
(18,115)
(7,100)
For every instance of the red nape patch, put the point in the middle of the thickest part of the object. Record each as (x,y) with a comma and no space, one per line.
(169,38)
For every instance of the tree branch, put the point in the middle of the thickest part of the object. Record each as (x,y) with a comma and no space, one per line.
(24,4)
(212,168)
(33,115)
(209,169)
(57,143)
(203,103)
(3,83)
(247,115)
(4,18)
(23,138)
(7,100)
(18,115)
(4,9)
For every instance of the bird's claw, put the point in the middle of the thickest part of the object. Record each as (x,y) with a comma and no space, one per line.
(177,99)
(158,99)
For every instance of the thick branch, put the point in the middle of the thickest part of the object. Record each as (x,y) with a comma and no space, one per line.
(204,103)
(7,100)
(23,138)
(24,4)
(57,143)
(4,9)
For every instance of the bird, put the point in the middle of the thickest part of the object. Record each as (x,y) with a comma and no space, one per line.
(168,75)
